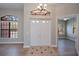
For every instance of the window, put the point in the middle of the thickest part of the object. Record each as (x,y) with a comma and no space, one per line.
(9,27)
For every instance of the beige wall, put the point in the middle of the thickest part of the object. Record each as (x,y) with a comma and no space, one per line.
(66,9)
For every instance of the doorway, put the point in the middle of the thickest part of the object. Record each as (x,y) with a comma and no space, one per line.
(66,35)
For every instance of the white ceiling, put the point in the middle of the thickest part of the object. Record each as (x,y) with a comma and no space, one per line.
(11,5)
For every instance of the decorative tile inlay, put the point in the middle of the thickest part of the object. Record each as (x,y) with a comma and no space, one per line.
(42,51)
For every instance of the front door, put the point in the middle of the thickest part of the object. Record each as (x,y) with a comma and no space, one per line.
(40,32)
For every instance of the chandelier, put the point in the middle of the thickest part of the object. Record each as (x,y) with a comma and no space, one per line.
(40,10)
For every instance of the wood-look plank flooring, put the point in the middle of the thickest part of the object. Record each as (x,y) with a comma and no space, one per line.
(65,48)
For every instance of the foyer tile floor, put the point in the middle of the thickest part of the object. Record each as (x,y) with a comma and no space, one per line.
(42,51)
(65,48)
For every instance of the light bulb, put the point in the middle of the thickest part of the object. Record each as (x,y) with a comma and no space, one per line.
(47,21)
(45,6)
(40,4)
(43,21)
(65,19)
(33,21)
(37,21)
(38,7)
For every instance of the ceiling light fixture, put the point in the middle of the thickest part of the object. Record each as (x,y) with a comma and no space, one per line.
(40,10)
(65,19)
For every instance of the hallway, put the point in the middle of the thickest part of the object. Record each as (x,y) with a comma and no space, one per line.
(66,47)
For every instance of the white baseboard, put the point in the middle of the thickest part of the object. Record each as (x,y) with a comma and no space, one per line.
(70,38)
(11,42)
(78,53)
(26,46)
(30,46)
(61,37)
(53,46)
